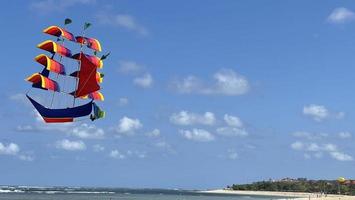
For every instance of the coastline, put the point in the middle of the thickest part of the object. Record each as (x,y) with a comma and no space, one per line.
(296,195)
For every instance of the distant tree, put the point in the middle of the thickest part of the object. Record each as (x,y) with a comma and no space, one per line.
(297,185)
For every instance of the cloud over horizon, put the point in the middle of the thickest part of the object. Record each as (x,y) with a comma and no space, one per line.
(124,21)
(69,145)
(320,113)
(144,81)
(341,15)
(316,150)
(198,135)
(13,149)
(48,6)
(225,82)
(185,118)
(128,126)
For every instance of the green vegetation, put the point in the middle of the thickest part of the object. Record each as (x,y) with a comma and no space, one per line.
(298,185)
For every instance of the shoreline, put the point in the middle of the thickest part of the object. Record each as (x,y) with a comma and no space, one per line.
(296,195)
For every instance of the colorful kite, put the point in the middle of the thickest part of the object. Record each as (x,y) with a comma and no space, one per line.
(81,85)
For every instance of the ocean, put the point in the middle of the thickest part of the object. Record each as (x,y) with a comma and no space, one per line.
(67,193)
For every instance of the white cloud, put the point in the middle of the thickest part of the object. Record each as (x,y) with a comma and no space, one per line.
(20,97)
(98,148)
(142,155)
(86,131)
(71,145)
(330,147)
(234,128)
(249,146)
(25,128)
(143,78)
(232,154)
(187,118)
(317,112)
(138,154)
(48,6)
(226,82)
(165,146)
(313,147)
(341,15)
(10,149)
(198,135)
(316,150)
(61,127)
(320,113)
(13,149)
(153,133)
(344,135)
(129,67)
(297,146)
(233,121)
(83,130)
(39,125)
(128,154)
(309,136)
(229,82)
(162,144)
(116,154)
(318,155)
(307,156)
(232,131)
(144,81)
(128,126)
(125,21)
(341,156)
(123,101)
(339,115)
(26,157)
(190,84)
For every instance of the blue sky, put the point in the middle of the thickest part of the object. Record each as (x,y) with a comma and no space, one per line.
(198,94)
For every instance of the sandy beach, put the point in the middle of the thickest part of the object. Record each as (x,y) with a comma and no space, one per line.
(298,195)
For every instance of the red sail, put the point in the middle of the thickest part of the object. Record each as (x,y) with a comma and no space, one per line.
(87,77)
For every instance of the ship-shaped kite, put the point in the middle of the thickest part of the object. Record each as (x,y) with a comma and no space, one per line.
(75,92)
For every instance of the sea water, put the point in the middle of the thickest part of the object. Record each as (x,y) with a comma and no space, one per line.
(25,193)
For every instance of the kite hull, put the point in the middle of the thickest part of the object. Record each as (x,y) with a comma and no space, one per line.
(61,115)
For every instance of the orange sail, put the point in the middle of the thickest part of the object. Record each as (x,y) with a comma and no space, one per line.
(57,31)
(92,43)
(43,82)
(95,96)
(54,47)
(50,64)
(94,59)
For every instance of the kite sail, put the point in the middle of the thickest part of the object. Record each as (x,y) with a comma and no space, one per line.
(80,86)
